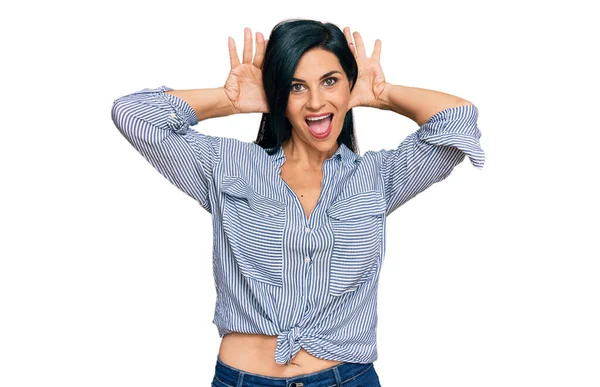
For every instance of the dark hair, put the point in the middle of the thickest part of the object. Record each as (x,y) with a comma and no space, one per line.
(289,40)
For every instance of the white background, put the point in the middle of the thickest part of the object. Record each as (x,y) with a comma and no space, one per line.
(490,277)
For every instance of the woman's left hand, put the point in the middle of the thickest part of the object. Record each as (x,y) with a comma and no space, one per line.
(370,82)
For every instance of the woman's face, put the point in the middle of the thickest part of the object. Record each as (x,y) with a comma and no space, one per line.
(319,89)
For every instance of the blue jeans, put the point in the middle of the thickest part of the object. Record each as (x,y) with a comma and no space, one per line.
(341,375)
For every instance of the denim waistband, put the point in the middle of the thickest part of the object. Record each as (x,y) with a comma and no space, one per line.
(333,376)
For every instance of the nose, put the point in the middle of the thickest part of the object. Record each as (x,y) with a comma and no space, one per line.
(316,100)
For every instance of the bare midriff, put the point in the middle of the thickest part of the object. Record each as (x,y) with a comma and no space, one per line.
(256,354)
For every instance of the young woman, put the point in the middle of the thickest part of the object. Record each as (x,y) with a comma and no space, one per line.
(299,215)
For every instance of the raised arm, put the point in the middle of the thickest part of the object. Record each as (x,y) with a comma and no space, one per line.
(156,121)
(448,129)
(157,125)
(429,155)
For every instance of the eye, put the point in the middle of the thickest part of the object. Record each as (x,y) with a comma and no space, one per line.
(331,83)
(294,88)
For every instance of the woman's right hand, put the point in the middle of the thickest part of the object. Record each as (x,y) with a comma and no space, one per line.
(244,86)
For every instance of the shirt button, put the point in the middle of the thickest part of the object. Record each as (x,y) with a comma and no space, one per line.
(307,229)
(172,115)
(307,259)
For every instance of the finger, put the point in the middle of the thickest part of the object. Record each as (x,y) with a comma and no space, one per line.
(377,50)
(347,34)
(234,60)
(349,40)
(247,56)
(360,46)
(260,50)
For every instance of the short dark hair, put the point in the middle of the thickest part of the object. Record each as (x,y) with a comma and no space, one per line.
(289,40)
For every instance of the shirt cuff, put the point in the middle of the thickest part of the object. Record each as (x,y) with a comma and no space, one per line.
(184,115)
(456,127)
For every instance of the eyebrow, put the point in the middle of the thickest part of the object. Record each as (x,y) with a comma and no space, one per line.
(324,76)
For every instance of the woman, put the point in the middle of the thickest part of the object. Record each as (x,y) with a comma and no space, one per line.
(299,216)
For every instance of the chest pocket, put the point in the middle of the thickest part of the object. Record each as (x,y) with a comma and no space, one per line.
(357,224)
(254,224)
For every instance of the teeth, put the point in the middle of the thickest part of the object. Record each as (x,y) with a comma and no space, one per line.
(317,118)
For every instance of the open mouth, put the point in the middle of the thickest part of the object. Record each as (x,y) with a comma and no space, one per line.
(320,127)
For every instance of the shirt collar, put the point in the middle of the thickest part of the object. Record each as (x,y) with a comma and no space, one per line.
(343,153)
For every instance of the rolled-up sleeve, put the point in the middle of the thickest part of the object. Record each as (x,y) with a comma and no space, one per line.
(428,155)
(157,125)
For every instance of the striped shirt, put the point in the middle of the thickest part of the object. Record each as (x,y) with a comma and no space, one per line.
(310,282)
